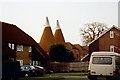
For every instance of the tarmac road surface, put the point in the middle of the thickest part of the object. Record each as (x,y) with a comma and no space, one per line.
(75,78)
(86,78)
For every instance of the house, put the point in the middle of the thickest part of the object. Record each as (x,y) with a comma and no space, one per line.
(19,46)
(108,41)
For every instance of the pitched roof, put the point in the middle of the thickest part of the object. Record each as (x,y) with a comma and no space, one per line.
(78,46)
(11,33)
(105,33)
(69,45)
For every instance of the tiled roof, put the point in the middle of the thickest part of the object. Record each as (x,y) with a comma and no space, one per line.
(11,33)
(105,33)
(59,38)
(47,39)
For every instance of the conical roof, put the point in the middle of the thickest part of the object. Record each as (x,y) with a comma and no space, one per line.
(59,38)
(47,38)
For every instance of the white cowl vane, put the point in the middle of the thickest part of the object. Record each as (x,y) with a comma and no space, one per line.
(47,24)
(58,25)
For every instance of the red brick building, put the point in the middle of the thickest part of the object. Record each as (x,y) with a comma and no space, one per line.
(17,45)
(108,41)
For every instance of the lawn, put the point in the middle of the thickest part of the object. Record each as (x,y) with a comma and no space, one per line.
(54,76)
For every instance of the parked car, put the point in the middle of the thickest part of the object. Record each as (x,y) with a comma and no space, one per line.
(28,70)
(40,70)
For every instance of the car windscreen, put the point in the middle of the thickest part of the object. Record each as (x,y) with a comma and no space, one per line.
(25,68)
(102,60)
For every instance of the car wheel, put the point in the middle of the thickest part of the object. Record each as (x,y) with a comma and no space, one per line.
(109,78)
(92,77)
(36,74)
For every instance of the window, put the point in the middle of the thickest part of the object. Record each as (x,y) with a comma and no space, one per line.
(111,34)
(102,60)
(11,59)
(30,62)
(111,48)
(30,49)
(21,62)
(33,62)
(19,47)
(11,46)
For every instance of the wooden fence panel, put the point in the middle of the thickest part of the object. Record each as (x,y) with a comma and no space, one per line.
(66,67)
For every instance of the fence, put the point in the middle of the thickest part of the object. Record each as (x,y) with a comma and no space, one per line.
(67,67)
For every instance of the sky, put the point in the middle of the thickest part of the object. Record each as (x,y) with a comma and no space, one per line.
(30,15)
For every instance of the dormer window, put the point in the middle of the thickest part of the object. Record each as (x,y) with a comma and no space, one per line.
(19,47)
(111,34)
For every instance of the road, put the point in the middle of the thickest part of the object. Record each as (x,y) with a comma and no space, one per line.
(75,78)
(86,78)
(65,76)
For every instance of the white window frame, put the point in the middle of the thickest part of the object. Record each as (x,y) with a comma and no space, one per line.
(30,49)
(33,62)
(112,48)
(19,47)
(30,62)
(111,34)
(11,46)
(21,62)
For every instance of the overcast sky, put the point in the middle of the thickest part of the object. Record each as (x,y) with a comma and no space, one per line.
(72,15)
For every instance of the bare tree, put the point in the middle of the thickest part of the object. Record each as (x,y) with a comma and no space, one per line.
(91,31)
